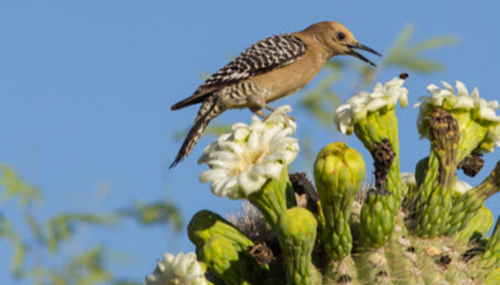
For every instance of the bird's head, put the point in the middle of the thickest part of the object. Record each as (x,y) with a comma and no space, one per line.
(338,40)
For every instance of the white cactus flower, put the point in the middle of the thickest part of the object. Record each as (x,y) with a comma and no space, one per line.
(364,103)
(242,161)
(487,110)
(183,269)
(458,102)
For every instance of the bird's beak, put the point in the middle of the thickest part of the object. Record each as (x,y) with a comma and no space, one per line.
(360,56)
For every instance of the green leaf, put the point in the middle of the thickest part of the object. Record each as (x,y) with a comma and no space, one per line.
(404,37)
(34,227)
(61,227)
(6,230)
(126,282)
(88,268)
(434,43)
(410,58)
(57,279)
(155,213)
(18,258)
(14,186)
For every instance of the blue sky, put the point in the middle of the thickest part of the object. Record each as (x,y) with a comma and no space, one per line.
(86,89)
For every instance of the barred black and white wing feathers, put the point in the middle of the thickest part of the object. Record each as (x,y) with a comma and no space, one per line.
(264,56)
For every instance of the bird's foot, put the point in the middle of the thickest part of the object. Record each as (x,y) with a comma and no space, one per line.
(270,108)
(260,113)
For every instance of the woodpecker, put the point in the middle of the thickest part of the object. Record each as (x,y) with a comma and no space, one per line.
(268,70)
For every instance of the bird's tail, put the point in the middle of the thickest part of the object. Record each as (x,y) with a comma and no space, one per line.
(208,111)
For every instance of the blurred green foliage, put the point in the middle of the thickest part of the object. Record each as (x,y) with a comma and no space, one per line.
(35,242)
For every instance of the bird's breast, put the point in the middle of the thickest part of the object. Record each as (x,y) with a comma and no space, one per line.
(289,79)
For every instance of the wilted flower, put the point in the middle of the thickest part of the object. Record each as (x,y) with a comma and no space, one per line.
(242,161)
(182,269)
(466,109)
(364,103)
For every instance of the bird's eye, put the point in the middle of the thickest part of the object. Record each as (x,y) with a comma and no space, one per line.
(340,36)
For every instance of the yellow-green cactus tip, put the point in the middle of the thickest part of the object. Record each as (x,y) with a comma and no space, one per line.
(296,222)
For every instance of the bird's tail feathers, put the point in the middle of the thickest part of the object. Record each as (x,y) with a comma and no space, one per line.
(195,132)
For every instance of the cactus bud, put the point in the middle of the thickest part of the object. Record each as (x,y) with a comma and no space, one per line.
(205,224)
(377,219)
(296,231)
(338,172)
(224,260)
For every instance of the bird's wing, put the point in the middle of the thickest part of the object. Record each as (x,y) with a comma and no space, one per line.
(264,56)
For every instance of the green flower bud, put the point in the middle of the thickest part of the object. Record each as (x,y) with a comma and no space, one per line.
(377,219)
(205,225)
(224,249)
(338,172)
(224,259)
(296,231)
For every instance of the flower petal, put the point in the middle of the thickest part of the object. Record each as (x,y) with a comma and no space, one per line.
(251,182)
(359,105)
(240,162)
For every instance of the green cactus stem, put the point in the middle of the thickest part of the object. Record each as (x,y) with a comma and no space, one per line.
(334,233)
(425,255)
(491,257)
(372,267)
(468,204)
(296,231)
(376,127)
(338,172)
(477,227)
(433,216)
(378,211)
(341,272)
(377,219)
(426,173)
(271,200)
(400,263)
(492,278)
